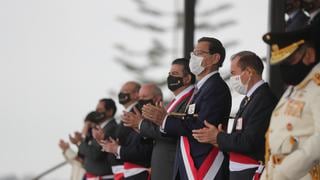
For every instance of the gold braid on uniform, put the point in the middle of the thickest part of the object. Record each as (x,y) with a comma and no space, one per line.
(315,172)
(267,153)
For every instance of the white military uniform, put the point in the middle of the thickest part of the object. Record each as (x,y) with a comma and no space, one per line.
(293,138)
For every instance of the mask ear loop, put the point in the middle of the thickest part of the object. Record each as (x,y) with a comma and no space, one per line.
(247,83)
(210,64)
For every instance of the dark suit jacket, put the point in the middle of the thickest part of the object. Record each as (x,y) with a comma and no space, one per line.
(212,103)
(134,147)
(164,149)
(299,21)
(95,161)
(316,20)
(250,140)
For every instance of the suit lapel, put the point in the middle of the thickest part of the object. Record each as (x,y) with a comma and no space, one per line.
(204,87)
(251,98)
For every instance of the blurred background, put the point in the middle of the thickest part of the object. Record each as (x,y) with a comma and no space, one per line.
(58,58)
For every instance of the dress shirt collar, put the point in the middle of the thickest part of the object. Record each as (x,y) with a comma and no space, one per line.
(182,93)
(204,79)
(313,14)
(254,88)
(291,15)
(128,109)
(102,125)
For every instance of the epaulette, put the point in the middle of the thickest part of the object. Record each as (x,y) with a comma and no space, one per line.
(303,84)
(316,78)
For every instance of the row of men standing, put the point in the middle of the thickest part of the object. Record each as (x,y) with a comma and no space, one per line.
(177,141)
(193,138)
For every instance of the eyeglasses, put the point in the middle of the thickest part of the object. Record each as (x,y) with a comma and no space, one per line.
(199,52)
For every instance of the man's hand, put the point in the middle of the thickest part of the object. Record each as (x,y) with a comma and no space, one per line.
(130,119)
(76,139)
(156,114)
(208,134)
(63,145)
(98,134)
(110,146)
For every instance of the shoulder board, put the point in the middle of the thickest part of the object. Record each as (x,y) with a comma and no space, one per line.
(316,78)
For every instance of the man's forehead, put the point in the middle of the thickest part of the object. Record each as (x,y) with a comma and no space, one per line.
(176,67)
(145,91)
(100,105)
(128,87)
(203,45)
(234,65)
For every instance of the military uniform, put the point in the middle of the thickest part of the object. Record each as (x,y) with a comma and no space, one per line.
(294,132)
(293,138)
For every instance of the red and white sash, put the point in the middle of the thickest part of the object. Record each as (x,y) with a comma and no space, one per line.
(239,162)
(131,169)
(90,176)
(208,169)
(118,172)
(172,105)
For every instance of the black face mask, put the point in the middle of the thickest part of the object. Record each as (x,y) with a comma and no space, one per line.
(294,74)
(143,102)
(124,98)
(174,82)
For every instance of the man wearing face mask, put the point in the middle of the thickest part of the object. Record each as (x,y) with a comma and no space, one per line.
(97,163)
(211,101)
(180,81)
(136,151)
(132,151)
(293,138)
(313,8)
(245,141)
(297,18)
(128,97)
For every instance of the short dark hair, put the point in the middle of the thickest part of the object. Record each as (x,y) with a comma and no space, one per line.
(249,59)
(94,117)
(184,62)
(109,104)
(215,46)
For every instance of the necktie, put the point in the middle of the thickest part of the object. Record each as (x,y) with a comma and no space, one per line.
(243,104)
(195,90)
(289,21)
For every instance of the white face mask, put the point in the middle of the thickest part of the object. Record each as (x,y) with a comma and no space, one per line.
(237,85)
(195,64)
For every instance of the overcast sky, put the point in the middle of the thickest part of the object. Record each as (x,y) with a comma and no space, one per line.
(57,61)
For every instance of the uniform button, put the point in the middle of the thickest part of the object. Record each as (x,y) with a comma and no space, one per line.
(289,127)
(292,140)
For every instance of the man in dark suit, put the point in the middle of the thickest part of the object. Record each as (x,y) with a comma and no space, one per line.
(96,162)
(211,101)
(297,18)
(180,81)
(246,141)
(132,150)
(313,8)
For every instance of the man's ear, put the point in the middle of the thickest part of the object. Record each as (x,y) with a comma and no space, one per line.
(187,79)
(216,58)
(135,96)
(158,98)
(109,112)
(251,71)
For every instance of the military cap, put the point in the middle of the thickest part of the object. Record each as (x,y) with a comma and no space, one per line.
(286,43)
